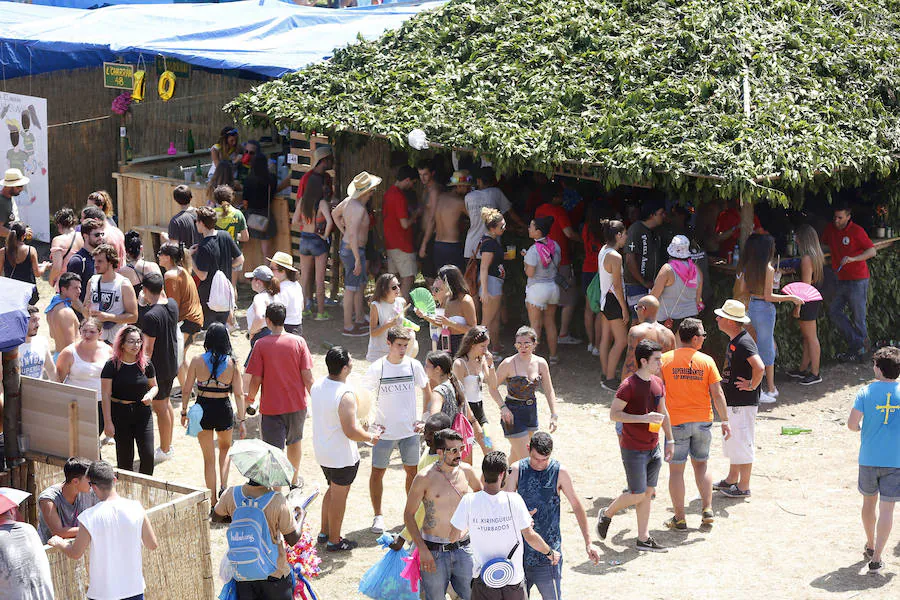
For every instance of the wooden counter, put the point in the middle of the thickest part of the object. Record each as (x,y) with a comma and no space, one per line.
(721,266)
(145,204)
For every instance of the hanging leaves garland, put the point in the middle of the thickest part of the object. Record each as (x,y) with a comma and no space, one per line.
(633,90)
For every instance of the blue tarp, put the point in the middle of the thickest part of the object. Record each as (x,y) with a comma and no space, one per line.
(268,40)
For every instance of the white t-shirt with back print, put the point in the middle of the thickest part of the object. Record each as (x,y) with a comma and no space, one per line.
(495,523)
(395,388)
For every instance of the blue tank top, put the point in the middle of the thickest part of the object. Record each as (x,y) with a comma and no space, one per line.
(539,490)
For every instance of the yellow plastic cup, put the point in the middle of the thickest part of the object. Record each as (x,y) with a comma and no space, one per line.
(654,427)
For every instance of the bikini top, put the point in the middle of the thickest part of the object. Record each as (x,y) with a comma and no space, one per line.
(520,386)
(213,376)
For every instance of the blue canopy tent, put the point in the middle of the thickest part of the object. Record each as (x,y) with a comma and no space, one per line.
(265,40)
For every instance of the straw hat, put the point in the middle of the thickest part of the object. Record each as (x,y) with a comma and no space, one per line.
(283,259)
(680,247)
(461,178)
(322,152)
(733,310)
(362,183)
(14,178)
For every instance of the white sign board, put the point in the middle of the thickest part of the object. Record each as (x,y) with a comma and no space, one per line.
(24,146)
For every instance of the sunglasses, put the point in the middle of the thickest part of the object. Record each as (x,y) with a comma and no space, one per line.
(395,287)
(525,344)
(452,451)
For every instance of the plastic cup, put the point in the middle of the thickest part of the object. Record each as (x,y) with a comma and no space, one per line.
(510,253)
(654,427)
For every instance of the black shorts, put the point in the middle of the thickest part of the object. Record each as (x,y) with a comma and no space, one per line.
(341,475)
(268,589)
(586,279)
(164,383)
(295,329)
(428,268)
(810,310)
(217,414)
(449,253)
(190,328)
(477,409)
(612,310)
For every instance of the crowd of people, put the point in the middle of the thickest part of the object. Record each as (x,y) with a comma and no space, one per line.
(122,325)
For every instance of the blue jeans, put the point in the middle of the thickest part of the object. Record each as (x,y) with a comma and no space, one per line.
(547,579)
(762,316)
(852,294)
(453,567)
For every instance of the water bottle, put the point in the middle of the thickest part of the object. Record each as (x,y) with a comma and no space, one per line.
(736,256)
(794,430)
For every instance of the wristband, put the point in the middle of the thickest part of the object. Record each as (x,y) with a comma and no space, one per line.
(184,414)
(549,553)
(670,442)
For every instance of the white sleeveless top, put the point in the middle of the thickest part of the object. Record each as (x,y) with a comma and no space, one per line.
(471,385)
(606,278)
(378,346)
(107,297)
(291,295)
(677,300)
(333,449)
(86,374)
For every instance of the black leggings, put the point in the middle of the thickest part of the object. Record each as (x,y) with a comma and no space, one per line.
(134,425)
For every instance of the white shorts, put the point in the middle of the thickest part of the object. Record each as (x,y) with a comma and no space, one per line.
(541,294)
(402,263)
(741,446)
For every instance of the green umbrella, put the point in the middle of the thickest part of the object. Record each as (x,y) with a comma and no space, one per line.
(261,462)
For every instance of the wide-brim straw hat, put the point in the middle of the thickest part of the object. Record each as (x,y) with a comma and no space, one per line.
(733,310)
(461,178)
(322,152)
(14,178)
(362,183)
(680,247)
(283,259)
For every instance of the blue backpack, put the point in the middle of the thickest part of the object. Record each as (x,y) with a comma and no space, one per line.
(253,554)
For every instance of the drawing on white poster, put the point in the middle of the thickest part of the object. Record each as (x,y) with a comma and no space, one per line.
(25,148)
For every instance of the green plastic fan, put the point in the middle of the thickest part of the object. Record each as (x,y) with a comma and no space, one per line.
(423,300)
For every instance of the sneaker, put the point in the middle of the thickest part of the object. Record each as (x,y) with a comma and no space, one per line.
(378,524)
(590,348)
(322,317)
(308,314)
(774,393)
(160,456)
(331,302)
(735,492)
(611,384)
(649,545)
(568,340)
(603,524)
(553,360)
(322,538)
(675,523)
(708,517)
(767,398)
(797,373)
(342,546)
(875,567)
(868,553)
(355,331)
(722,485)
(595,352)
(811,379)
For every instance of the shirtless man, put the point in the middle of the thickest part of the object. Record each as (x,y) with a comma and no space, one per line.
(352,219)
(440,489)
(442,220)
(61,317)
(427,171)
(646,329)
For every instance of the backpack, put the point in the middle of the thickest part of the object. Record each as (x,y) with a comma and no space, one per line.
(594,294)
(253,554)
(221,294)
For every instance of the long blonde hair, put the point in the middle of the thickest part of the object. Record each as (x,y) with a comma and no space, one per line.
(808,245)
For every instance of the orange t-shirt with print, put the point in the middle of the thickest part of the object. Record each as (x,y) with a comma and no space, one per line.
(688,373)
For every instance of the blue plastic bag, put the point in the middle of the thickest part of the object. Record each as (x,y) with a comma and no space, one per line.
(195,414)
(383,581)
(229,591)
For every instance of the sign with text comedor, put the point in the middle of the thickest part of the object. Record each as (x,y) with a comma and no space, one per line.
(119,76)
(181,69)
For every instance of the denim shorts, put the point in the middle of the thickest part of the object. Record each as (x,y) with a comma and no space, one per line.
(762,317)
(691,439)
(525,418)
(353,282)
(880,480)
(312,245)
(633,293)
(641,468)
(452,567)
(494,285)
(547,578)
(409,452)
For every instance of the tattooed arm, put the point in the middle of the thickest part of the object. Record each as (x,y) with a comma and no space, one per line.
(415,497)
(634,337)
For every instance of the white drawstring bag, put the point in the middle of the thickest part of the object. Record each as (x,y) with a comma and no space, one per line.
(221,294)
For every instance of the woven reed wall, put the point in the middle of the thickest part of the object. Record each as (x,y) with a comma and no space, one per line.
(180,568)
(83,133)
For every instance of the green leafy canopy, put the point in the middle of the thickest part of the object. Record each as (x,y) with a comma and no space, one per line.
(626,91)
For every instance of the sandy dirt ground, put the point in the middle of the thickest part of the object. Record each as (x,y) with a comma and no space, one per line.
(799,536)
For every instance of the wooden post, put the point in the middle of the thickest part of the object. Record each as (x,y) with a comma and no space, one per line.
(73,429)
(12,408)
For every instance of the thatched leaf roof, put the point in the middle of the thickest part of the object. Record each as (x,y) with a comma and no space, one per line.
(638,90)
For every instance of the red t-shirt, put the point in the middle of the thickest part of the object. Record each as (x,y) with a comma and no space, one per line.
(592,247)
(641,397)
(278,359)
(560,222)
(849,241)
(728,218)
(395,208)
